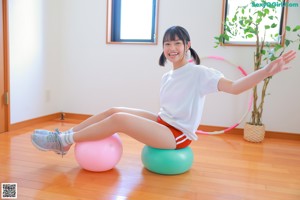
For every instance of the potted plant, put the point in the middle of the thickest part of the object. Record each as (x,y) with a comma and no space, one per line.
(248,23)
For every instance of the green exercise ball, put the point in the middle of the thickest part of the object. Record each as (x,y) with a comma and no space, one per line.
(167,161)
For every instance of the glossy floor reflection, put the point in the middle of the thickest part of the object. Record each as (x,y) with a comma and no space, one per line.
(225,167)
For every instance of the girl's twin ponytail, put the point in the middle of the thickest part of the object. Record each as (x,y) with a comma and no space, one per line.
(162,60)
(195,56)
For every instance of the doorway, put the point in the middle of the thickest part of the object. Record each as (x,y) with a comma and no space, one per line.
(4,74)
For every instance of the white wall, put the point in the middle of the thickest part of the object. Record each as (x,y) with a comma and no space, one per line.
(34,58)
(95,76)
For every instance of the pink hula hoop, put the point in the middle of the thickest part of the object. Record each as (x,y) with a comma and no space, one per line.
(244,73)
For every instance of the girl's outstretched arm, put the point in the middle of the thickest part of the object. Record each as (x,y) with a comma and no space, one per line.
(248,82)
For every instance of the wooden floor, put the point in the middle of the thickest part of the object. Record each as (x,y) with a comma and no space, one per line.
(225,168)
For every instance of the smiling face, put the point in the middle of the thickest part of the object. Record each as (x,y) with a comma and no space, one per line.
(176,43)
(175,51)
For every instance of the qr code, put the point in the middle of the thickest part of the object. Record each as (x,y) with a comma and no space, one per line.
(9,190)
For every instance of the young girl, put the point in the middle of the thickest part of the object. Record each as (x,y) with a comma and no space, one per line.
(182,94)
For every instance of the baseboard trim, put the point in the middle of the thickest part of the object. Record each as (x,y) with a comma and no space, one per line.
(77,118)
(30,122)
(240,131)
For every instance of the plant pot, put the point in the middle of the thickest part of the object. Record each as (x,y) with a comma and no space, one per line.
(254,133)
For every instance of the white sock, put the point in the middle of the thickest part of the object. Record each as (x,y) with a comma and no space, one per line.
(67,137)
(69,131)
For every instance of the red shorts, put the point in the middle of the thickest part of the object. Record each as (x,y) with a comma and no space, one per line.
(181,140)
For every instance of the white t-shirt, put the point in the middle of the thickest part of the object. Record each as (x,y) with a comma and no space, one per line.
(182,96)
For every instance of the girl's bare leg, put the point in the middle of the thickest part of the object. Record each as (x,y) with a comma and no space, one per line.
(101,116)
(143,129)
(138,124)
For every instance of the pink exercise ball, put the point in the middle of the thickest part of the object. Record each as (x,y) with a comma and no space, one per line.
(99,155)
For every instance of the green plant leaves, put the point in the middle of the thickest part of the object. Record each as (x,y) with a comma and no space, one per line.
(277,47)
(273,25)
(266,11)
(220,39)
(296,28)
(287,42)
(258,20)
(260,14)
(249,36)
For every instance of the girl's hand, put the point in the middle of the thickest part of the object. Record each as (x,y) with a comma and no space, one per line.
(279,64)
(252,79)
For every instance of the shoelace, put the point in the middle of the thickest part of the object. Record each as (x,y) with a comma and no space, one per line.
(54,138)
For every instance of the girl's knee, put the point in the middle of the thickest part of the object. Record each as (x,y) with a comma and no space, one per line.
(113,110)
(118,117)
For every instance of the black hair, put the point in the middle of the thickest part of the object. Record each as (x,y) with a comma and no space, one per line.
(184,36)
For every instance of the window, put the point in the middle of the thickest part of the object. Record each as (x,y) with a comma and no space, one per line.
(132,21)
(269,16)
